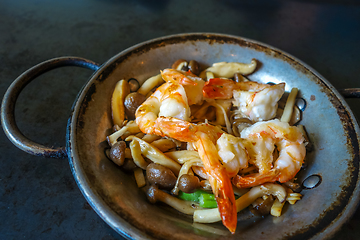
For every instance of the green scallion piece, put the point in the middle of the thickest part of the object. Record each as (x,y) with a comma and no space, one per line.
(207,200)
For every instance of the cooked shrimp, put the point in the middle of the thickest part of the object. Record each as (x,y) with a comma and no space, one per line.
(156,116)
(232,152)
(254,100)
(192,84)
(203,137)
(170,100)
(262,138)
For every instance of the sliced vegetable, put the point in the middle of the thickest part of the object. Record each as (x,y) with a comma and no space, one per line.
(190,196)
(205,199)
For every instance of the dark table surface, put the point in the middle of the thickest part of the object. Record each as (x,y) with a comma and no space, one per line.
(39,198)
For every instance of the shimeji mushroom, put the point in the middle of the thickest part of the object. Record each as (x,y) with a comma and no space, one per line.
(289,106)
(122,89)
(132,102)
(134,84)
(213,215)
(180,64)
(160,176)
(155,155)
(150,83)
(187,207)
(194,67)
(228,69)
(130,127)
(117,153)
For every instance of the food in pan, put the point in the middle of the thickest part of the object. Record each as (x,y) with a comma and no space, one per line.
(209,143)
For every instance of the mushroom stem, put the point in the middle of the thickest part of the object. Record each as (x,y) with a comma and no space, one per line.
(155,155)
(228,69)
(136,155)
(154,194)
(213,215)
(185,168)
(289,106)
(150,84)
(131,127)
(122,89)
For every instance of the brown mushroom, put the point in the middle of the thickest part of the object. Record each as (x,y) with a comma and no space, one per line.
(161,176)
(129,165)
(180,64)
(132,102)
(117,153)
(293,186)
(238,77)
(134,84)
(194,67)
(262,207)
(239,124)
(205,185)
(189,183)
(154,194)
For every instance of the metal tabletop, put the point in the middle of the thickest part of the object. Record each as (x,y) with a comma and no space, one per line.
(39,198)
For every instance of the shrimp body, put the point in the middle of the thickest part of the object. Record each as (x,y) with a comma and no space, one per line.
(262,138)
(254,100)
(203,137)
(172,99)
(167,113)
(169,100)
(232,153)
(192,84)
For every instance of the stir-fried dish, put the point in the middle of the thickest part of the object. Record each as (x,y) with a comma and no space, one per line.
(210,143)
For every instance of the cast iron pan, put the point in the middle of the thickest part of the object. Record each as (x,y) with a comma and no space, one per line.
(332,128)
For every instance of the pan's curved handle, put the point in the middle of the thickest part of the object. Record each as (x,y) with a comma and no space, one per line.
(350,92)
(12,93)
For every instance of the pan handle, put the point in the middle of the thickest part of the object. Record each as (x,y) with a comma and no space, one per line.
(8,105)
(350,92)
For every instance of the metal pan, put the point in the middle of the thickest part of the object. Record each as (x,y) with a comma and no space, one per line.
(113,194)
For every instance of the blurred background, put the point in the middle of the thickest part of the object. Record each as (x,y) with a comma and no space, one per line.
(39,198)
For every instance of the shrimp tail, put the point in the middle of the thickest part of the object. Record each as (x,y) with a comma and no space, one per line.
(177,77)
(218,88)
(222,88)
(219,180)
(255,179)
(175,128)
(204,137)
(225,199)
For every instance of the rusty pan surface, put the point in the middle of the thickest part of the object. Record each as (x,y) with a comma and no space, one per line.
(330,123)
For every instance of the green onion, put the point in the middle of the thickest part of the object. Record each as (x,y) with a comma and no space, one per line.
(205,199)
(190,196)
